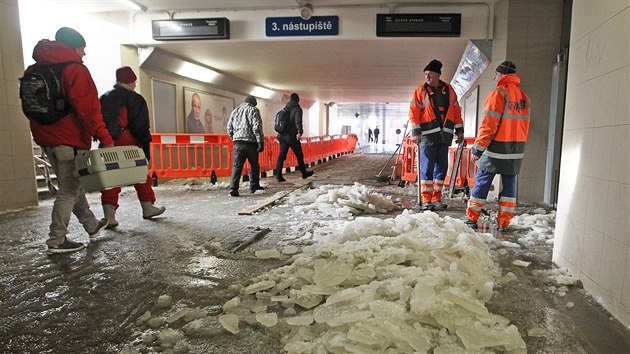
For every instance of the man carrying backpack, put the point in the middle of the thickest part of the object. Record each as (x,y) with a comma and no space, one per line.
(127,118)
(290,138)
(64,138)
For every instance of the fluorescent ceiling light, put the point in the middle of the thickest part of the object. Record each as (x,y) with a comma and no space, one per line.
(134,5)
(262,92)
(197,72)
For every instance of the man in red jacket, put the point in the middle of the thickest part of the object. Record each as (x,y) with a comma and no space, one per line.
(127,116)
(63,139)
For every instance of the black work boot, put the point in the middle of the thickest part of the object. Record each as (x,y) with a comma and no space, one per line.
(472,224)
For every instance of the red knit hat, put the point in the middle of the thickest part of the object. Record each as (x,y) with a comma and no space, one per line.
(125,75)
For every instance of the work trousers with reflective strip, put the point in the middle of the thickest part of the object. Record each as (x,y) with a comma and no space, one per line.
(434,163)
(479,194)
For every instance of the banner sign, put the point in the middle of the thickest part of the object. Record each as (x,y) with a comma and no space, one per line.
(296,26)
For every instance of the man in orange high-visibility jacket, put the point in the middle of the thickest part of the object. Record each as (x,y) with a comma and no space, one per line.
(435,116)
(500,145)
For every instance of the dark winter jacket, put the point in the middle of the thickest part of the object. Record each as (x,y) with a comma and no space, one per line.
(126,113)
(84,120)
(295,121)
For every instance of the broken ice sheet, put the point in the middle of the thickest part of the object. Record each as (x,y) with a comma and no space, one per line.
(229,322)
(418,285)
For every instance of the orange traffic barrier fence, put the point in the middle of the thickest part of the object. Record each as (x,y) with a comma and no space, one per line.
(465,175)
(207,155)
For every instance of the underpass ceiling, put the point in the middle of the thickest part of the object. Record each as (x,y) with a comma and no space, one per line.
(380,70)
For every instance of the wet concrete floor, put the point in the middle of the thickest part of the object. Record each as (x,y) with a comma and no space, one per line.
(90,301)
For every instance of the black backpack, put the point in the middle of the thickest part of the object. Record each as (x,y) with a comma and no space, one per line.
(283,117)
(111,102)
(40,92)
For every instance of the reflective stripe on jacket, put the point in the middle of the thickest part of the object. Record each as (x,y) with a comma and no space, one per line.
(504,129)
(422,114)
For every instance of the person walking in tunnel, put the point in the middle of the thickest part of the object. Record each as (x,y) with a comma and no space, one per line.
(500,145)
(369,134)
(126,115)
(72,133)
(291,139)
(435,117)
(245,129)
(377,131)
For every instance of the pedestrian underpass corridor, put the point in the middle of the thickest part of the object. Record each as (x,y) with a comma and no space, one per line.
(203,279)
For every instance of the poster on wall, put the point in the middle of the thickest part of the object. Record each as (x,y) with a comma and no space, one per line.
(470,113)
(206,113)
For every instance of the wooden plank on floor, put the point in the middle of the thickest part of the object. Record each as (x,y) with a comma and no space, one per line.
(270,200)
(244,238)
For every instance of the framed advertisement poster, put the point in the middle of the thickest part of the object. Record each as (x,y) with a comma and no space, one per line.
(205,112)
(470,113)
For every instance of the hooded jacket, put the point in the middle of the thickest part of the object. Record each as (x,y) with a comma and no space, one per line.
(84,120)
(504,129)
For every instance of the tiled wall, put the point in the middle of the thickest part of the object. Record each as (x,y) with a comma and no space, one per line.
(17,176)
(593,226)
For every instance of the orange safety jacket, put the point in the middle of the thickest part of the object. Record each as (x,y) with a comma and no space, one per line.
(504,129)
(422,114)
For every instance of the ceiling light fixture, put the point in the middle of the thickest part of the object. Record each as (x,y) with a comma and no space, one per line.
(306,11)
(197,72)
(134,5)
(262,92)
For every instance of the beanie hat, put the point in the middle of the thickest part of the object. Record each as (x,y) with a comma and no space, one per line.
(251,100)
(295,97)
(125,75)
(70,37)
(507,67)
(435,66)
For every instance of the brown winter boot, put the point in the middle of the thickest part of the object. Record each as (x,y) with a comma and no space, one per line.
(149,210)
(110,214)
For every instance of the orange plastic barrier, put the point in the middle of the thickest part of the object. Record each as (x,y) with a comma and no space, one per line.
(199,155)
(465,174)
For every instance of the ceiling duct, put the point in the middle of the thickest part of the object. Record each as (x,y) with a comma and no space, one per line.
(473,63)
(163,61)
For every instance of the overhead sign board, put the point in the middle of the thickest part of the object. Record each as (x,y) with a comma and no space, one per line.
(418,25)
(297,26)
(196,28)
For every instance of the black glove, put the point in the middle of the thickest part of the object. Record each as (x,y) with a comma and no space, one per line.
(261,146)
(460,138)
(416,132)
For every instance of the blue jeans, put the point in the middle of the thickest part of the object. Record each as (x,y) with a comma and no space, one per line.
(483,181)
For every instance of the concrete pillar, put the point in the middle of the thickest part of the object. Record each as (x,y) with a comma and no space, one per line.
(17,173)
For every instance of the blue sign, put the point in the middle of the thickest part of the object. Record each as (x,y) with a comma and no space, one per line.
(297,26)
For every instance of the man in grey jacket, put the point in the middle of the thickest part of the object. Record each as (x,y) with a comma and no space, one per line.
(246,131)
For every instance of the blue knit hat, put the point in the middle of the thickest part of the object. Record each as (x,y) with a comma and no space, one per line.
(70,37)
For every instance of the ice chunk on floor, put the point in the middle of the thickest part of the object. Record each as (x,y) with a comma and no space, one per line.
(229,322)
(405,284)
